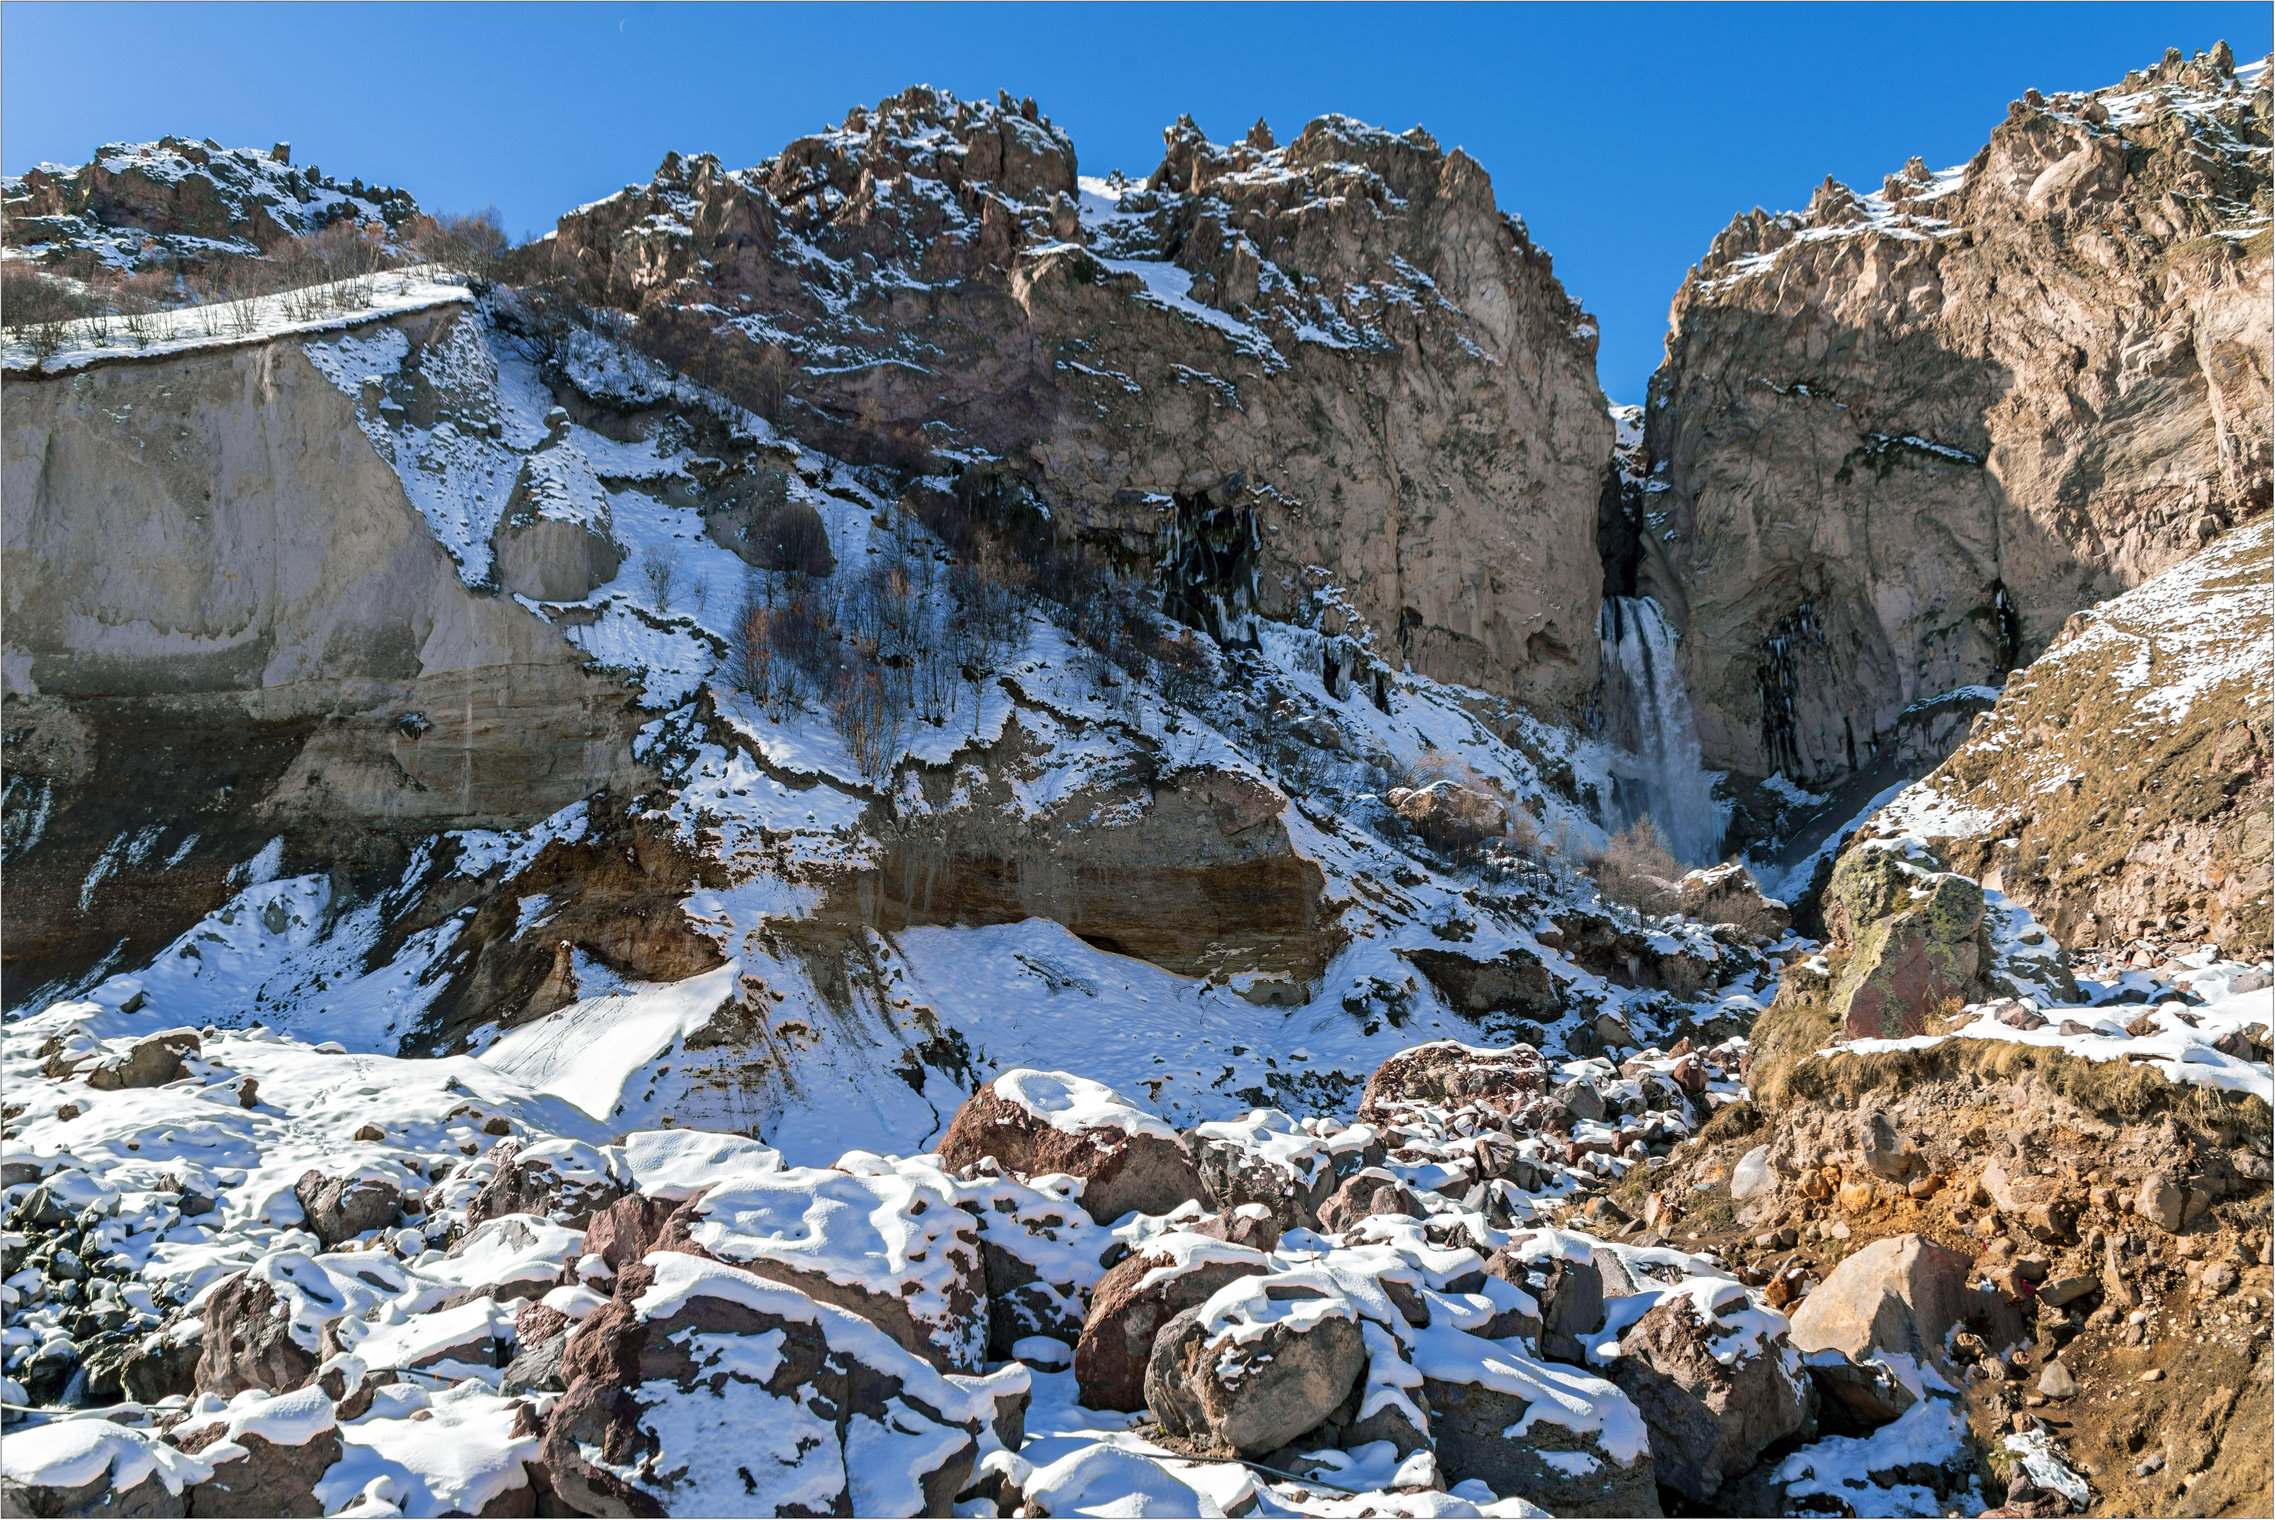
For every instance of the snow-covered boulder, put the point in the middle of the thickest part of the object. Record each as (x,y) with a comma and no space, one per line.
(1033,1122)
(1446,1074)
(1268,1159)
(266,1452)
(1559,1437)
(703,1389)
(1043,1256)
(90,1466)
(883,1239)
(564,1180)
(1717,1381)
(1144,1291)
(1264,1360)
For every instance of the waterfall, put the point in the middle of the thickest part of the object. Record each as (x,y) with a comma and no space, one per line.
(1647,719)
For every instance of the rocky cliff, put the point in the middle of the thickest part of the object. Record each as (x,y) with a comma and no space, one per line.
(1901,436)
(1318,382)
(174,203)
(226,624)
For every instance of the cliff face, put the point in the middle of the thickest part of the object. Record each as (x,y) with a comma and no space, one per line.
(1900,437)
(226,624)
(2119,789)
(1329,375)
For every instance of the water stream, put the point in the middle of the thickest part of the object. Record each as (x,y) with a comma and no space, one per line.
(1647,719)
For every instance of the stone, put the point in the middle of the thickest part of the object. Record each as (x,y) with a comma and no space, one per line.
(1469,1422)
(1447,1074)
(247,1342)
(1250,1225)
(1728,894)
(1139,1295)
(2161,1202)
(1883,1152)
(1910,954)
(1709,1419)
(339,1209)
(796,1381)
(1862,1395)
(2062,1291)
(2056,1383)
(1903,1294)
(152,1061)
(1364,1195)
(1036,1122)
(1258,1391)
(1265,1159)
(558,1180)
(267,1475)
(1755,1175)
(1451,818)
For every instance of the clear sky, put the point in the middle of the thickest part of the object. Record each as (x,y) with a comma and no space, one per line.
(1624,135)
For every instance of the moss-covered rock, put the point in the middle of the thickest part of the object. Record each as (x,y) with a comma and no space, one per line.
(1917,937)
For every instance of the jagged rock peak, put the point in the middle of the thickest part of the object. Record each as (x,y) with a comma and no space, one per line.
(2196,126)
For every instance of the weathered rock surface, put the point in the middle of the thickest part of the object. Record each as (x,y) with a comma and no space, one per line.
(1565,1471)
(1207,434)
(771,1402)
(1900,437)
(248,1342)
(1903,1294)
(1914,942)
(340,1208)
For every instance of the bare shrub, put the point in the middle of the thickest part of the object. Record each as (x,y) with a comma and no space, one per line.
(1634,868)
(659,572)
(38,306)
(871,719)
(471,242)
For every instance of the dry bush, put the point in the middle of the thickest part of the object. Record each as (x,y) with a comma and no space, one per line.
(472,243)
(872,720)
(659,572)
(1635,869)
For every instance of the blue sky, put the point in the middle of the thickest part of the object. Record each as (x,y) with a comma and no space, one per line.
(1625,136)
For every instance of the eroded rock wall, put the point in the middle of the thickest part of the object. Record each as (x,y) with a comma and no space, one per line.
(225,623)
(1900,437)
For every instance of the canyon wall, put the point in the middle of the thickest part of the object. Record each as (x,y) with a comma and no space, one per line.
(1900,437)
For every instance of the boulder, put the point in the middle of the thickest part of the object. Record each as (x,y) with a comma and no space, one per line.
(1709,1418)
(1856,1396)
(1262,1362)
(152,1061)
(1448,1074)
(1042,1256)
(1755,1175)
(341,1208)
(1364,1195)
(1904,1294)
(888,1243)
(1558,1437)
(1264,1159)
(1449,817)
(1034,1122)
(2161,1202)
(566,1181)
(247,1341)
(1250,1225)
(703,1389)
(94,1468)
(267,1453)
(1166,1276)
(1915,945)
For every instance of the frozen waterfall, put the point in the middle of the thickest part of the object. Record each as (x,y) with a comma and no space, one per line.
(1647,720)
